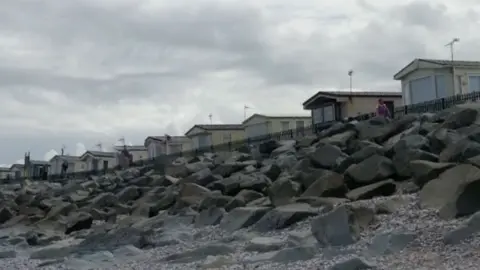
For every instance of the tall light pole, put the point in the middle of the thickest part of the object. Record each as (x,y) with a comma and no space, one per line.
(210,116)
(245,108)
(99,146)
(350,74)
(122,140)
(450,44)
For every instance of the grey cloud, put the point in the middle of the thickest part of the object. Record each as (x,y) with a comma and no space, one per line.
(25,85)
(99,54)
(233,28)
(130,40)
(420,13)
(366,6)
(39,144)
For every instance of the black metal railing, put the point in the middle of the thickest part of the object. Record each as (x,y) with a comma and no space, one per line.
(423,107)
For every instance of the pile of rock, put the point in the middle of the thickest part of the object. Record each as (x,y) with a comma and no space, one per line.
(327,183)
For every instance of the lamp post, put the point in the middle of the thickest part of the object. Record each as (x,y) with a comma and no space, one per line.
(350,74)
(245,108)
(450,44)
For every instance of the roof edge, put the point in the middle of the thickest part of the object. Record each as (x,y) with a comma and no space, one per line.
(190,130)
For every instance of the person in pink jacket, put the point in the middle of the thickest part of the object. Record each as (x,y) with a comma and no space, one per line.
(382,109)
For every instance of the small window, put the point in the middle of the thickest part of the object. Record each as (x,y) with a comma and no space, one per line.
(328,114)
(285,125)
(324,114)
(300,124)
(473,84)
(318,115)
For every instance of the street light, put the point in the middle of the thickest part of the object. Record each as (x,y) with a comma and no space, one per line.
(245,108)
(450,44)
(350,73)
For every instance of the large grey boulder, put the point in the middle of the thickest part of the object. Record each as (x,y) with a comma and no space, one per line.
(382,188)
(283,190)
(235,183)
(460,151)
(454,192)
(391,242)
(329,184)
(373,169)
(201,177)
(341,226)
(285,216)
(468,229)
(423,170)
(327,156)
(209,217)
(242,217)
(401,160)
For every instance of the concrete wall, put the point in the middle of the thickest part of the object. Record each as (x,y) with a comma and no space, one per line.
(56,166)
(216,137)
(112,162)
(139,155)
(80,166)
(16,169)
(270,125)
(4,174)
(223,136)
(461,79)
(276,123)
(156,148)
(183,143)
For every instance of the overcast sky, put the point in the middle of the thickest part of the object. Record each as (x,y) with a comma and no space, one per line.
(79,72)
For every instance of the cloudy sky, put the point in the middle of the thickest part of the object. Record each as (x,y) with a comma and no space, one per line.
(79,72)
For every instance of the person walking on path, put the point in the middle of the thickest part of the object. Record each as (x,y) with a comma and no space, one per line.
(64,168)
(382,109)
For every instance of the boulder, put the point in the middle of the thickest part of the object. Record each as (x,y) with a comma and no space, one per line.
(209,217)
(341,226)
(330,184)
(423,170)
(327,156)
(454,193)
(284,216)
(373,169)
(391,242)
(242,217)
(382,188)
(283,190)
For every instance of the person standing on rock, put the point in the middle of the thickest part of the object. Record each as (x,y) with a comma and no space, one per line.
(382,109)
(64,168)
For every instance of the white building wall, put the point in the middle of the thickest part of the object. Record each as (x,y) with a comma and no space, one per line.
(460,84)
(139,155)
(4,174)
